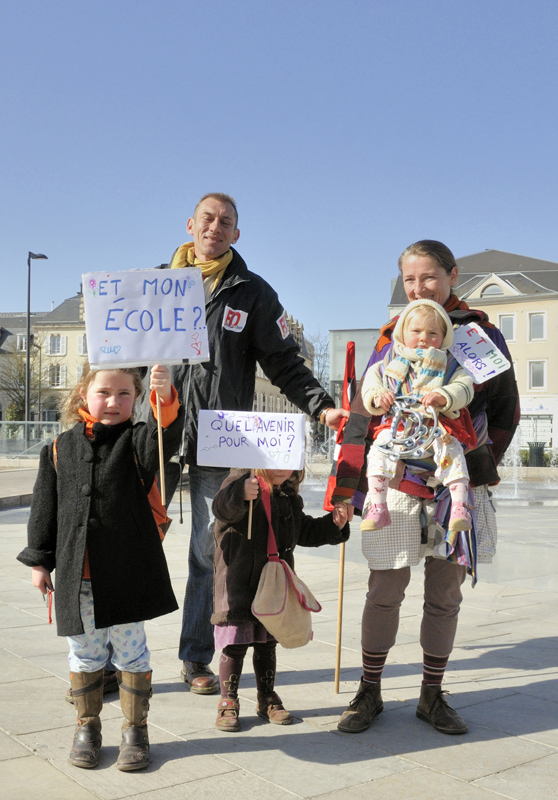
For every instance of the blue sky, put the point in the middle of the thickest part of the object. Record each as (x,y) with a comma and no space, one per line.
(345,130)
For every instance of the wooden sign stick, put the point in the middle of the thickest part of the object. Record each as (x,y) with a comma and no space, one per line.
(339,615)
(250,509)
(161,458)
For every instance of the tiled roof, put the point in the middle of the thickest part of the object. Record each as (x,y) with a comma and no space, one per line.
(67,311)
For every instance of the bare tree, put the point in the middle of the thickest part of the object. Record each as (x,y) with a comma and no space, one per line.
(320,346)
(12,381)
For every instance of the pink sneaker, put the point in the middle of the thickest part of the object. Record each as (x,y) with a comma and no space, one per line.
(376,517)
(460,517)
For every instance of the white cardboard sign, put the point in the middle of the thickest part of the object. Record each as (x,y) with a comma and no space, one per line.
(144,317)
(251,439)
(477,353)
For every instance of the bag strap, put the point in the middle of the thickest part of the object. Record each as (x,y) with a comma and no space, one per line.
(272,551)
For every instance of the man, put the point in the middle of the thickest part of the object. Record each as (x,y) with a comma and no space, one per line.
(246,326)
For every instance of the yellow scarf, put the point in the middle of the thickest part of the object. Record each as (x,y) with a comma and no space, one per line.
(185,257)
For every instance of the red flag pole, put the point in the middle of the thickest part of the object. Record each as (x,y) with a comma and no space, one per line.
(348,394)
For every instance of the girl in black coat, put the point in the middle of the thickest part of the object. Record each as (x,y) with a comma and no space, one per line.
(239,561)
(92,521)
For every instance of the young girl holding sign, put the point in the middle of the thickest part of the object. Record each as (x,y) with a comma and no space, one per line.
(239,560)
(91,520)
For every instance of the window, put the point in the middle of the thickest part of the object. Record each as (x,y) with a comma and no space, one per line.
(537,374)
(79,371)
(82,345)
(21,343)
(57,376)
(506,323)
(492,290)
(56,345)
(537,326)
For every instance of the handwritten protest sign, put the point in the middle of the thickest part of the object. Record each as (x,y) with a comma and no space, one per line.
(251,439)
(145,316)
(476,353)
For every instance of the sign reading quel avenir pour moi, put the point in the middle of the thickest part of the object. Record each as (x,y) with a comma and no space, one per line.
(250,439)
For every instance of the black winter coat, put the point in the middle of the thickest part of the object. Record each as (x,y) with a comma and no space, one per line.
(95,498)
(239,561)
(237,343)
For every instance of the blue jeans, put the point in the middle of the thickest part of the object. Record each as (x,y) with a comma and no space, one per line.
(196,638)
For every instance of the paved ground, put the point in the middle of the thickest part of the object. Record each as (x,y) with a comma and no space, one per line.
(503,678)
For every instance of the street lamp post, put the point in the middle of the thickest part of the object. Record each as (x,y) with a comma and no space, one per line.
(40,376)
(30,257)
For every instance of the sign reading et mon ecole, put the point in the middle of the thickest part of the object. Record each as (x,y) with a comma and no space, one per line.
(145,316)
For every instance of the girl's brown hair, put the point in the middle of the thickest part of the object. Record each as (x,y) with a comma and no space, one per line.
(69,408)
(293,482)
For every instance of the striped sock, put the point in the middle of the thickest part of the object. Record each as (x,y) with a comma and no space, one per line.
(433,668)
(372,666)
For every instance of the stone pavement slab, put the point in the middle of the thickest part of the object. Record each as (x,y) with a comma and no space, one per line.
(536,779)
(503,677)
(33,778)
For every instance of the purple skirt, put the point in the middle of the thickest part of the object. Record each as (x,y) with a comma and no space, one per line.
(243,633)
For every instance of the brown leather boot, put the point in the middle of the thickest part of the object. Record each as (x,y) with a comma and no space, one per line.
(363,708)
(435,709)
(110,684)
(87,693)
(271,708)
(135,691)
(227,714)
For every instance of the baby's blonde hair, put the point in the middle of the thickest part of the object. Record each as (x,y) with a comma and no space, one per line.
(426,312)
(69,408)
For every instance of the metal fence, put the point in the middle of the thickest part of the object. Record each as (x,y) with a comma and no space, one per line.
(20,439)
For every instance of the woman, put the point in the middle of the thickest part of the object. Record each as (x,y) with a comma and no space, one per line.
(429,271)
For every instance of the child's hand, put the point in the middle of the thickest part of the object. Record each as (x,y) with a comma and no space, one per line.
(341,512)
(385,400)
(40,578)
(160,383)
(433,399)
(251,488)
